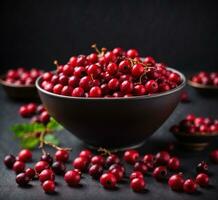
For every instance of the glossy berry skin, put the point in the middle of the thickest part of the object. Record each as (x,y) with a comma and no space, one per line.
(136,174)
(137,184)
(22,179)
(30,173)
(176,182)
(9,161)
(202,180)
(47,158)
(132,53)
(214,156)
(141,167)
(96,171)
(137,70)
(80,163)
(112,68)
(23,111)
(48,186)
(173,163)
(118,173)
(160,173)
(78,92)
(72,178)
(148,158)
(124,66)
(131,156)
(25,155)
(86,153)
(162,158)
(149,61)
(44,117)
(112,159)
(95,92)
(58,168)
(113,84)
(62,155)
(118,166)
(126,87)
(202,167)
(18,166)
(40,166)
(98,160)
(108,180)
(189,186)
(139,90)
(151,86)
(46,174)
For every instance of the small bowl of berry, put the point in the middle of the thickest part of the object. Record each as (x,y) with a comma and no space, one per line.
(205,83)
(20,83)
(195,132)
(112,99)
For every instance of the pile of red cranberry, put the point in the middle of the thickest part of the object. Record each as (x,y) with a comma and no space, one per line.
(21,76)
(37,113)
(206,78)
(113,73)
(108,169)
(196,125)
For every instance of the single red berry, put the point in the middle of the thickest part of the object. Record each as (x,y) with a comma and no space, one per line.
(141,167)
(18,166)
(47,158)
(62,155)
(48,186)
(108,180)
(139,90)
(30,173)
(58,167)
(92,58)
(44,117)
(131,156)
(202,167)
(113,84)
(23,111)
(25,155)
(57,88)
(148,158)
(189,186)
(22,179)
(126,87)
(125,67)
(85,83)
(202,179)
(110,57)
(190,117)
(173,163)
(137,184)
(162,158)
(41,165)
(79,71)
(86,153)
(137,70)
(112,68)
(118,173)
(112,159)
(151,86)
(214,156)
(72,178)
(98,159)
(78,92)
(40,109)
(132,53)
(67,70)
(95,92)
(160,173)
(149,61)
(174,77)
(176,182)
(96,171)
(46,174)
(136,174)
(47,76)
(31,107)
(9,161)
(80,163)
(117,51)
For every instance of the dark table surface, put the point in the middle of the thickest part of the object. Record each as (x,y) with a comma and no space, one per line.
(92,189)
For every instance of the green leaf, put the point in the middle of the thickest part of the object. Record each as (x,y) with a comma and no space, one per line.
(54,125)
(29,143)
(52,139)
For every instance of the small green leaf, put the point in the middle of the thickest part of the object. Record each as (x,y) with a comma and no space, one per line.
(52,139)
(54,125)
(21,129)
(37,127)
(29,143)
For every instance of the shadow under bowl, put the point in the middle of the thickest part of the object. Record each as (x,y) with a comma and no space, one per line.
(113,123)
(19,92)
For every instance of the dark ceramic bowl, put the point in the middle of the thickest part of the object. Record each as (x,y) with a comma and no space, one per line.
(114,123)
(207,90)
(195,142)
(19,92)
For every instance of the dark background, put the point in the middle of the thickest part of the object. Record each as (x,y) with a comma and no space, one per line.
(183,34)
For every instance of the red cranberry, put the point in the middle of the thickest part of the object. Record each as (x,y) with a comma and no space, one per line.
(9,161)
(174,77)
(184,98)
(198,121)
(202,167)
(92,58)
(24,112)
(98,160)
(40,166)
(124,66)
(62,155)
(78,92)
(40,109)
(48,186)
(79,71)
(46,174)
(139,90)
(131,156)
(44,117)
(25,155)
(126,87)
(117,172)
(136,174)
(47,76)
(30,173)
(113,84)
(137,184)
(95,92)
(108,180)
(149,61)
(67,70)
(57,88)
(18,166)
(176,182)
(132,53)
(31,107)
(86,153)
(96,171)
(160,173)
(112,68)
(117,51)
(72,178)
(137,70)
(80,163)
(47,158)
(190,117)
(151,86)
(109,57)
(162,157)
(202,179)
(141,167)
(119,166)
(112,159)
(174,163)
(148,158)
(189,186)
(22,179)
(214,156)
(58,167)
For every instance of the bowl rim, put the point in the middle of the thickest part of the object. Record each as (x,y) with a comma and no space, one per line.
(117,98)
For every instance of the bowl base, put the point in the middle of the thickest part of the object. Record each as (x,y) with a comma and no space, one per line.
(115,148)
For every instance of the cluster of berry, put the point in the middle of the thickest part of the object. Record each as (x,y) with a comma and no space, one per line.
(206,78)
